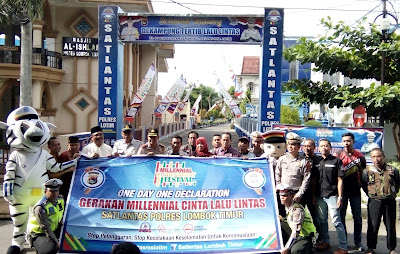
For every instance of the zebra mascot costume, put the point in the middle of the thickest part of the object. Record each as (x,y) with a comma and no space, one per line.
(27,168)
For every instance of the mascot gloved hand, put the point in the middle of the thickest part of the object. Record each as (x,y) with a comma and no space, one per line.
(27,168)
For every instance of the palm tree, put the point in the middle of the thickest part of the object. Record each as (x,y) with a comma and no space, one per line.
(22,12)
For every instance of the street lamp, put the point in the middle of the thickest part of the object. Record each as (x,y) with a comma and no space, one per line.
(386,32)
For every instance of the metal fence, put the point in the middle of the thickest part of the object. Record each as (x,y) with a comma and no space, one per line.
(244,126)
(44,57)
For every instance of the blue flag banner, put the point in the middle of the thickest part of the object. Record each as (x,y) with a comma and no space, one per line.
(172,205)
(366,139)
(193,28)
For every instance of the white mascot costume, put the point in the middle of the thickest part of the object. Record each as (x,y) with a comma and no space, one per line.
(274,145)
(27,168)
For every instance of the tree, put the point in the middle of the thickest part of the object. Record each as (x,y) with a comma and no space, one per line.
(209,96)
(246,100)
(23,12)
(355,53)
(290,115)
(231,91)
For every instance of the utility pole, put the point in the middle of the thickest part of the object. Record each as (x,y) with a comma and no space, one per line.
(383,62)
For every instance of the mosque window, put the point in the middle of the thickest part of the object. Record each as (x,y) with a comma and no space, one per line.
(82,25)
(82,104)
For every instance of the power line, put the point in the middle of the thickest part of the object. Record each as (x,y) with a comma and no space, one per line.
(261,7)
(184,6)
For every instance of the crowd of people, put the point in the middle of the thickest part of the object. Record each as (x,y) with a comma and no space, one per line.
(324,184)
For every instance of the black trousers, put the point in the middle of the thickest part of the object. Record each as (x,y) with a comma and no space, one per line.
(306,200)
(376,209)
(303,245)
(44,245)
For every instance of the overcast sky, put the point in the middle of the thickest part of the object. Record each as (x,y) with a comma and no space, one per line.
(302,18)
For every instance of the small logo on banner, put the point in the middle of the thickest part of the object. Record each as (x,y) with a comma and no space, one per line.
(188,228)
(254,178)
(93,178)
(108,15)
(274,16)
(145,227)
(173,174)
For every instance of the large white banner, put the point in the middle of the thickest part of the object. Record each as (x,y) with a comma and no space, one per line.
(183,102)
(169,97)
(195,108)
(141,93)
(229,100)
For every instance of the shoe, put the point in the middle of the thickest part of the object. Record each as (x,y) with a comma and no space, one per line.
(392,252)
(360,247)
(322,246)
(340,251)
(370,251)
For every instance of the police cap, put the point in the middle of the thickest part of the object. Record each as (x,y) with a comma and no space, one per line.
(153,133)
(293,138)
(284,189)
(53,184)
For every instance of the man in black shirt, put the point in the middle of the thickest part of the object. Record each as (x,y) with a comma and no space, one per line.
(308,200)
(330,197)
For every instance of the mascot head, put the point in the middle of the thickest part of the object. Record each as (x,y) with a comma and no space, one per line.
(24,129)
(274,143)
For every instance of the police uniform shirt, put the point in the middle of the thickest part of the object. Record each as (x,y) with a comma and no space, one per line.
(104,150)
(293,172)
(146,148)
(330,168)
(43,220)
(126,149)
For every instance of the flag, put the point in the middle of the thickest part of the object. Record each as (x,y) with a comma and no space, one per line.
(229,100)
(183,102)
(238,87)
(213,106)
(177,97)
(168,97)
(195,107)
(223,110)
(140,94)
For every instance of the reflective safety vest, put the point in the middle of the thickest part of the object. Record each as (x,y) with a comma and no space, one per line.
(307,227)
(55,214)
(381,184)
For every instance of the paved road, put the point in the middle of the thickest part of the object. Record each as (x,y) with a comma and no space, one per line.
(6,225)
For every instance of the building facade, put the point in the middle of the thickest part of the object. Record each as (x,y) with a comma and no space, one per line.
(65,87)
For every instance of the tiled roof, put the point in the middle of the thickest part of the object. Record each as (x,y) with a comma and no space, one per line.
(251,65)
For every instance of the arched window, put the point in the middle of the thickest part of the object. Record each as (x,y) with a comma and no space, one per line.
(250,86)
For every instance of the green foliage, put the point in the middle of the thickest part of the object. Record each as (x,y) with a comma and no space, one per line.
(313,123)
(20,11)
(231,91)
(290,115)
(203,113)
(246,100)
(355,53)
(346,118)
(215,112)
(209,96)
